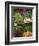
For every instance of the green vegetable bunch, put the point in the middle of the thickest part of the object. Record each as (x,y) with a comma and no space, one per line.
(20,25)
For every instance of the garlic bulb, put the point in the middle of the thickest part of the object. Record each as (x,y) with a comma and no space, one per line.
(27,20)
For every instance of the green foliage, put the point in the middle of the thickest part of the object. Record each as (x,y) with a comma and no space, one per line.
(19,20)
(29,15)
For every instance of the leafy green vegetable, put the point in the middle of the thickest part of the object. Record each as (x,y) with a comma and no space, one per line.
(19,20)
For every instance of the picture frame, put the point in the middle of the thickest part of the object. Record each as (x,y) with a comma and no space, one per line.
(25,18)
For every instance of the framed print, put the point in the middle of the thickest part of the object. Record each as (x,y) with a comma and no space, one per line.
(21,22)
